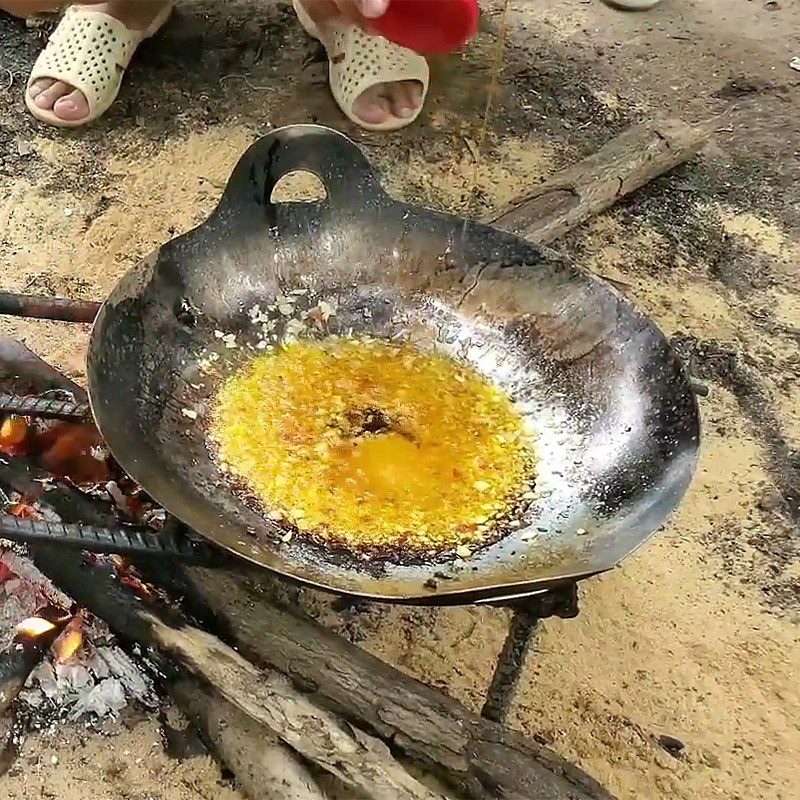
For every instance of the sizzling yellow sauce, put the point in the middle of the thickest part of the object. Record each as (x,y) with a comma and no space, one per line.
(367,444)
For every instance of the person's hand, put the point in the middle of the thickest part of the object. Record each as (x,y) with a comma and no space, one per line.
(343,13)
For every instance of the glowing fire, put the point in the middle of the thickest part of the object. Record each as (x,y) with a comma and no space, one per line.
(128,577)
(68,644)
(13,431)
(69,641)
(34,627)
(66,450)
(22,510)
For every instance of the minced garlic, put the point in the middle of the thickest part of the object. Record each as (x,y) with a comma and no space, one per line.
(368,444)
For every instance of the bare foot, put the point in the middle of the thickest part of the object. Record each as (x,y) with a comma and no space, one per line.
(65,101)
(380,103)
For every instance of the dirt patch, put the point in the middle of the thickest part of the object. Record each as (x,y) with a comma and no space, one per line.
(133,761)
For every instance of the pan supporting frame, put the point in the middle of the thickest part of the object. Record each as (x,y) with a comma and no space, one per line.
(527,614)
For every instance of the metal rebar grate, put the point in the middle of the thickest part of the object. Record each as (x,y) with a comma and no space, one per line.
(122,540)
(43,407)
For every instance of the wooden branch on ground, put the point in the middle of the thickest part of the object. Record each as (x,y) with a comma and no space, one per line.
(623,165)
(484,759)
(265,768)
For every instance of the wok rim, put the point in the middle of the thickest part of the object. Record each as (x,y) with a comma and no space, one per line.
(443,594)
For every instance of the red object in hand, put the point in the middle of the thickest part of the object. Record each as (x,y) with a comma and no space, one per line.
(429,26)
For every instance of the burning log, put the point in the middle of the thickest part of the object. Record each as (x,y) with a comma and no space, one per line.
(34,636)
(480,758)
(33,639)
(265,696)
(342,727)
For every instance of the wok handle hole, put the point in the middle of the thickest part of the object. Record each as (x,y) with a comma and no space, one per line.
(298,186)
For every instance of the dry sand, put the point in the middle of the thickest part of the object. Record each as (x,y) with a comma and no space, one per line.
(696,636)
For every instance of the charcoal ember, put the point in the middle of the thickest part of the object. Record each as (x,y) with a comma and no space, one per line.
(34,699)
(97,632)
(22,599)
(66,450)
(117,495)
(47,514)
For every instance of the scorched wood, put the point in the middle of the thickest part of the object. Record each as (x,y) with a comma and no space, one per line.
(482,758)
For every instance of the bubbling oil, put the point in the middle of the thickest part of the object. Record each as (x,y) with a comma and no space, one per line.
(367,444)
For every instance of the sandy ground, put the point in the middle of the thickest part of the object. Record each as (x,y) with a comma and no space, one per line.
(697,636)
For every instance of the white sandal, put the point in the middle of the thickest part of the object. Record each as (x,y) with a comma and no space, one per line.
(90,51)
(357,62)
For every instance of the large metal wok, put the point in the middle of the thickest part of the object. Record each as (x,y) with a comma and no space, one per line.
(617,423)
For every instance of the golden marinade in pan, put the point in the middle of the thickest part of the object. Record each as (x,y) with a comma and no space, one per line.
(367,444)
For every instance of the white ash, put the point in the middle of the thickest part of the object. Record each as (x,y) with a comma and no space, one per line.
(117,495)
(100,452)
(97,683)
(94,684)
(155,517)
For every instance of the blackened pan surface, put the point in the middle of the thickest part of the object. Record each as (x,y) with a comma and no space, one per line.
(616,423)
